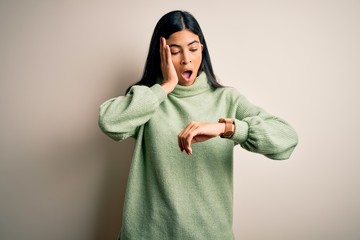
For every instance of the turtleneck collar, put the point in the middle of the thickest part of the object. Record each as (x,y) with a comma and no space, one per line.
(200,85)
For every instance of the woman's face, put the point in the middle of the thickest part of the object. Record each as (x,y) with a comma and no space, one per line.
(186,55)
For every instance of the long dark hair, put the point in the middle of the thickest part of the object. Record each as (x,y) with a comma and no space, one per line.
(168,24)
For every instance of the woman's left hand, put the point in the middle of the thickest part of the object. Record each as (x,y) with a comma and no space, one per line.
(198,132)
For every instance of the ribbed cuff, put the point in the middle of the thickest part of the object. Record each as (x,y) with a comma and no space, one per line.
(241,131)
(159,92)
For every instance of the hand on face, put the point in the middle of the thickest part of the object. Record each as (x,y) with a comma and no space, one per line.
(167,67)
(198,132)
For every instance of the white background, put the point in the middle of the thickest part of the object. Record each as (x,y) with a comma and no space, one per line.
(61,178)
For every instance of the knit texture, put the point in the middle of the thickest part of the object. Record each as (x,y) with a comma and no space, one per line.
(172,195)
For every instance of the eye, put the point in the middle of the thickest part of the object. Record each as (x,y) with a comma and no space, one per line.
(175,53)
(193,49)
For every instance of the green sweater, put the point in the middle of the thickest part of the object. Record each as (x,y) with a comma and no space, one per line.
(174,196)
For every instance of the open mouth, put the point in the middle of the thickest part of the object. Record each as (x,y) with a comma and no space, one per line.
(187,74)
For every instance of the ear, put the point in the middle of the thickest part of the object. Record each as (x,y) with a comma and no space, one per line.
(202,47)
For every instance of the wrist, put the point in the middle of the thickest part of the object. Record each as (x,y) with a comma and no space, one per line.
(168,87)
(221,128)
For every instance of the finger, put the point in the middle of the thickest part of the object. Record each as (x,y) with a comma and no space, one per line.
(191,137)
(188,140)
(181,135)
(162,56)
(168,54)
(161,52)
(180,142)
(188,135)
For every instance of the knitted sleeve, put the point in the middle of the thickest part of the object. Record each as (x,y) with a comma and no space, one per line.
(258,131)
(121,117)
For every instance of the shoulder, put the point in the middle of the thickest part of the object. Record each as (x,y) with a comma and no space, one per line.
(233,97)
(229,93)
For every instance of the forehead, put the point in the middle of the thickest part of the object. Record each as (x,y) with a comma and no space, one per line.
(182,38)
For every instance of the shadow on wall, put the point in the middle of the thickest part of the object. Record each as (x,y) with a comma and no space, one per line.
(112,188)
(113,185)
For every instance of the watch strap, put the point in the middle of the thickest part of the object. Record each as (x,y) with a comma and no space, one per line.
(229,127)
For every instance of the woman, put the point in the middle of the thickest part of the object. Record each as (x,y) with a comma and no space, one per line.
(178,189)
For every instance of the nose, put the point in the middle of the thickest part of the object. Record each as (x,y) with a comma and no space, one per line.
(186,59)
(184,62)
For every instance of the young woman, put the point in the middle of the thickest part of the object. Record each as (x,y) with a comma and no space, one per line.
(186,125)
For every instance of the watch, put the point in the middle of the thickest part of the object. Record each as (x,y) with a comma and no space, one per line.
(229,127)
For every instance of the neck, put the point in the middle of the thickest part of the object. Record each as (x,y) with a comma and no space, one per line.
(200,85)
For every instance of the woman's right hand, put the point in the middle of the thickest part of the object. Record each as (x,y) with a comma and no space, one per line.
(167,67)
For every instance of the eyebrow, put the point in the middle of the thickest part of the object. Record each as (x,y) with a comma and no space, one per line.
(176,45)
